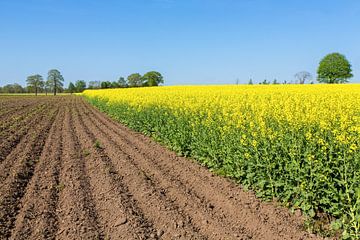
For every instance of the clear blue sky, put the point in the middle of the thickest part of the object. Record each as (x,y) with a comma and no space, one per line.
(189,41)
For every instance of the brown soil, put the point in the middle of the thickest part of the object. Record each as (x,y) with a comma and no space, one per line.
(70,172)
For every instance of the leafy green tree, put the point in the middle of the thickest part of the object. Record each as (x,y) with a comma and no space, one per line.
(80,85)
(115,84)
(55,80)
(275,81)
(47,87)
(250,82)
(334,68)
(35,82)
(71,88)
(94,85)
(265,82)
(106,84)
(13,88)
(122,82)
(135,80)
(152,78)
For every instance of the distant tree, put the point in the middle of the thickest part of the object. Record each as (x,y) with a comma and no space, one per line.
(334,68)
(135,80)
(250,82)
(94,85)
(47,87)
(80,85)
(13,88)
(105,84)
(302,77)
(18,88)
(115,84)
(152,78)
(55,80)
(265,82)
(35,82)
(275,81)
(122,82)
(71,88)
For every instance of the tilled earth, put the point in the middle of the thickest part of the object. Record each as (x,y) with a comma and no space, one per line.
(67,171)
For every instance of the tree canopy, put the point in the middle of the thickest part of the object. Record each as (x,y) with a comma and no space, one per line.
(35,82)
(152,78)
(334,68)
(135,80)
(80,85)
(71,88)
(55,80)
(122,82)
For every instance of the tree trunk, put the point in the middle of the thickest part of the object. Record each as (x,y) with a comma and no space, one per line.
(35,91)
(54,87)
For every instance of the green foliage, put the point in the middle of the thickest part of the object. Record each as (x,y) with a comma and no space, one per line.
(13,88)
(71,88)
(80,85)
(265,82)
(47,86)
(334,68)
(97,144)
(115,84)
(35,82)
(94,85)
(122,82)
(135,80)
(152,78)
(55,80)
(105,84)
(60,187)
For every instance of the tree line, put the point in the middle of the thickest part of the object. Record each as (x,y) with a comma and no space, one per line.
(55,83)
(334,68)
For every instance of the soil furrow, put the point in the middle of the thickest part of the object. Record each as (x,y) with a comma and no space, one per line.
(23,149)
(16,108)
(13,188)
(11,138)
(118,213)
(11,120)
(37,217)
(76,214)
(14,120)
(170,216)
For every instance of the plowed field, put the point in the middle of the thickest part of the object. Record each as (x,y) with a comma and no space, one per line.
(67,171)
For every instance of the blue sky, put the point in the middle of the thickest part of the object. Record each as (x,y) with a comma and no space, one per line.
(188,41)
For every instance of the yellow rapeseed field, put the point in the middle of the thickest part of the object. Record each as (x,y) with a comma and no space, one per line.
(298,143)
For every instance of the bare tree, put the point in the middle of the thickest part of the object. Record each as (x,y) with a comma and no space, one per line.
(302,77)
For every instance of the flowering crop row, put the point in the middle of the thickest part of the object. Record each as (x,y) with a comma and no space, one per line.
(297,143)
